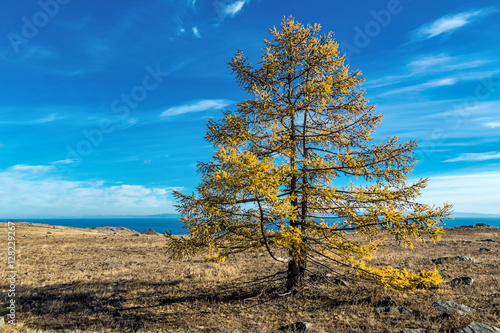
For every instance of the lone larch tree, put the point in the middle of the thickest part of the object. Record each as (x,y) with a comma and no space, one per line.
(296,172)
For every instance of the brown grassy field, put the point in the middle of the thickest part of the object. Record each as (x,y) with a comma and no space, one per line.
(82,280)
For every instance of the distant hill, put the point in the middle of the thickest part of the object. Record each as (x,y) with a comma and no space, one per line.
(163,216)
(464,214)
(155,216)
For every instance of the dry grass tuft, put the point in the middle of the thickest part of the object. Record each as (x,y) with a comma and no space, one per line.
(80,280)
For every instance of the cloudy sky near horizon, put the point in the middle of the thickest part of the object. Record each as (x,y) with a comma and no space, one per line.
(104,104)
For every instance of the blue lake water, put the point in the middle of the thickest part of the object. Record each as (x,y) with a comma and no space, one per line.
(162,225)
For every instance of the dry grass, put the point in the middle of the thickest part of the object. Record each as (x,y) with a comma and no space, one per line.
(80,280)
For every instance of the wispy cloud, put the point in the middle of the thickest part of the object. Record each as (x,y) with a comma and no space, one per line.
(474,192)
(196,106)
(447,24)
(493,124)
(48,119)
(64,162)
(233,8)
(38,191)
(442,82)
(196,32)
(443,63)
(427,65)
(424,86)
(31,169)
(463,109)
(475,157)
(427,62)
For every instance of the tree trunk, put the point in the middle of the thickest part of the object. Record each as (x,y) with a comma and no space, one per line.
(295,273)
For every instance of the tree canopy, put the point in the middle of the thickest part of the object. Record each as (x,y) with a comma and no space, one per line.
(296,171)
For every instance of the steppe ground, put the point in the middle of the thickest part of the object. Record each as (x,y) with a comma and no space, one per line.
(82,280)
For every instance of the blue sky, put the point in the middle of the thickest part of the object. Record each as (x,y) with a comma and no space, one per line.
(103,104)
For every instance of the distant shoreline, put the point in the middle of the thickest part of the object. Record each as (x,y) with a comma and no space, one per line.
(162,225)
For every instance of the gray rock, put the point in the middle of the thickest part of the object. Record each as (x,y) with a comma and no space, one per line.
(481,225)
(413,330)
(442,260)
(462,281)
(464,258)
(449,308)
(388,305)
(299,326)
(478,328)
(387,302)
(134,263)
(484,249)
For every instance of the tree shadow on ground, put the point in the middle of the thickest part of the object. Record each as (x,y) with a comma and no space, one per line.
(128,306)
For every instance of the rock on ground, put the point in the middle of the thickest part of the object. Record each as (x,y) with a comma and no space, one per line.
(299,326)
(462,281)
(413,330)
(389,305)
(478,328)
(388,301)
(442,260)
(449,308)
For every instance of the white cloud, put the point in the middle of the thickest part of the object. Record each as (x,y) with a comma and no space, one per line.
(424,86)
(427,65)
(442,82)
(31,168)
(476,157)
(446,24)
(443,63)
(233,8)
(30,191)
(464,109)
(196,106)
(492,124)
(196,32)
(63,162)
(426,62)
(475,192)
(48,119)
